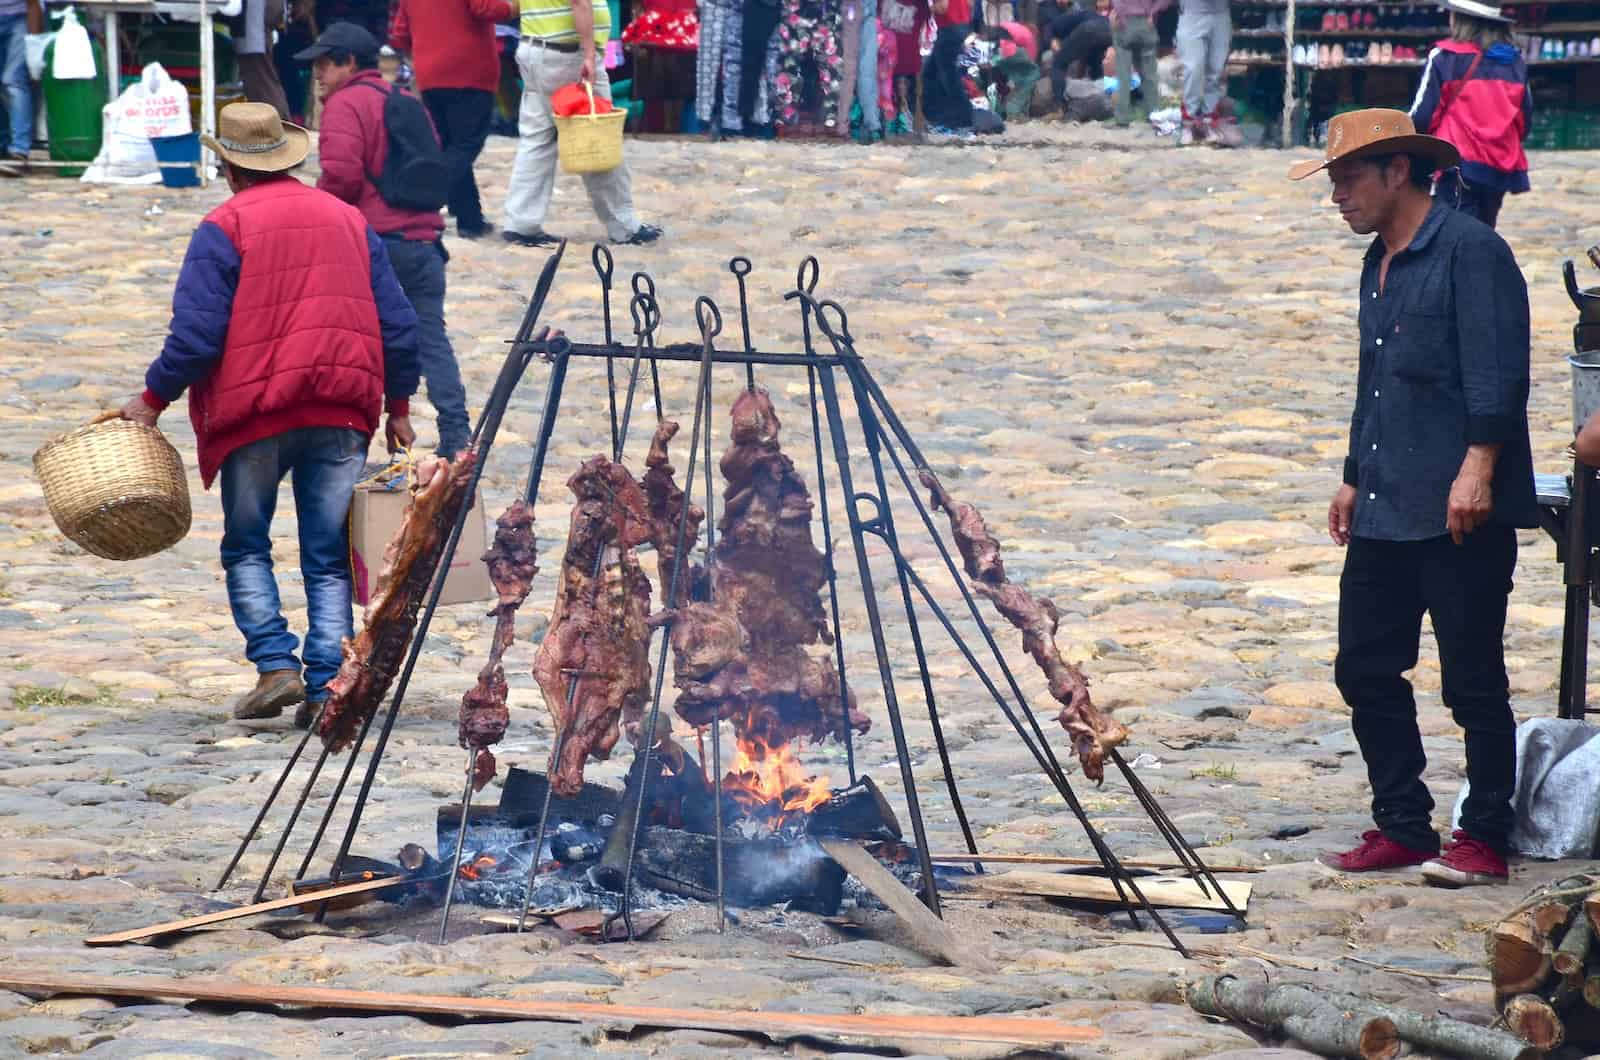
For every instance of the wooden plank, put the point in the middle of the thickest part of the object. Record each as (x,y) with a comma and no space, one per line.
(1165,891)
(930,933)
(1016,1030)
(294,901)
(1052,859)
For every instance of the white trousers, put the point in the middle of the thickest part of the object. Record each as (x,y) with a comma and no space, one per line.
(1204,38)
(533,175)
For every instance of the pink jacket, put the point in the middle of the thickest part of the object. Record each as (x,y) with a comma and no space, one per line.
(353,145)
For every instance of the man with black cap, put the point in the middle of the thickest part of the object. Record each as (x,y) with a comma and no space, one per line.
(353,144)
(1438,478)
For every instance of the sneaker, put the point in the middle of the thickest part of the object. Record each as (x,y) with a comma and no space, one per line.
(540,238)
(13,164)
(467,232)
(307,712)
(274,690)
(1466,863)
(642,236)
(1376,852)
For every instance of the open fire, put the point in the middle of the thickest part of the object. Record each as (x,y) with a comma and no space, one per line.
(770,788)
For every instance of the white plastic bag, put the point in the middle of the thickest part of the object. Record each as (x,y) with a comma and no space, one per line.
(73,59)
(155,105)
(34,45)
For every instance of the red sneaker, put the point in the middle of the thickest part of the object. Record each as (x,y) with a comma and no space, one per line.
(1466,863)
(1376,852)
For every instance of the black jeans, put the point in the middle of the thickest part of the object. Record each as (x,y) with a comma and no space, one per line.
(419,267)
(1385,588)
(1474,200)
(760,20)
(463,117)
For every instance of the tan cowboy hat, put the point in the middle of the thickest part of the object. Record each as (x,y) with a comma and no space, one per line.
(252,136)
(1376,131)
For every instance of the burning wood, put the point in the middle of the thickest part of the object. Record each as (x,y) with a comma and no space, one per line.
(512,564)
(1093,732)
(372,657)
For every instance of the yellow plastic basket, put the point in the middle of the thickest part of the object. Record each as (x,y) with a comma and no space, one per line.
(115,487)
(590,143)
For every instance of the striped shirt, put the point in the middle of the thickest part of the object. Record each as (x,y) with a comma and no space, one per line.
(551,21)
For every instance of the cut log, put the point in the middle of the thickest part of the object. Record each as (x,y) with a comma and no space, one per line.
(931,934)
(1570,956)
(1009,1030)
(857,812)
(1164,891)
(1304,1014)
(1591,910)
(522,798)
(1532,1019)
(1519,959)
(1441,1033)
(1550,918)
(1591,988)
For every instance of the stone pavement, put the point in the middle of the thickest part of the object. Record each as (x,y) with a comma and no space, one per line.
(1137,361)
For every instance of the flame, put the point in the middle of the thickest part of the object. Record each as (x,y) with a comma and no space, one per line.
(478,867)
(769,781)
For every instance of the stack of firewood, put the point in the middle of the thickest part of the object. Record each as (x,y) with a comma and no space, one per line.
(1546,966)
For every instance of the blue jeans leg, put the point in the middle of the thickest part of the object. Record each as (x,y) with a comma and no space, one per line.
(419,267)
(325,463)
(14,76)
(250,477)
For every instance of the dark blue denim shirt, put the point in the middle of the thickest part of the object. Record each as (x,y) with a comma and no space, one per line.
(1444,365)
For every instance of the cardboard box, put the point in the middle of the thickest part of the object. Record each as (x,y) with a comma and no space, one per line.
(375,514)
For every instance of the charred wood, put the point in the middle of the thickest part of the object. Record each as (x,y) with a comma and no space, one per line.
(857,812)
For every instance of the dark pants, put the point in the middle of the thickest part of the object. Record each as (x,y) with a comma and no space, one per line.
(1081,55)
(1384,591)
(419,267)
(462,116)
(1474,200)
(760,19)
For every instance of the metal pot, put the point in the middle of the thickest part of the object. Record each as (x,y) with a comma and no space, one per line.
(1585,387)
(1588,302)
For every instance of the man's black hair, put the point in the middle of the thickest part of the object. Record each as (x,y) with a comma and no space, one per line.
(1422,167)
(340,56)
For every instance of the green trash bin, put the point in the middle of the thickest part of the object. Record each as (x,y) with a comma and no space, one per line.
(73,111)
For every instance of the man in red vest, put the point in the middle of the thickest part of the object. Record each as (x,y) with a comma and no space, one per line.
(292,336)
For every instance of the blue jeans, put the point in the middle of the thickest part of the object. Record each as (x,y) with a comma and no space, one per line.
(324,464)
(419,267)
(14,76)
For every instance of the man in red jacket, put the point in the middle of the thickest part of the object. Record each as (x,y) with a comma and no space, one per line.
(290,334)
(353,145)
(457,60)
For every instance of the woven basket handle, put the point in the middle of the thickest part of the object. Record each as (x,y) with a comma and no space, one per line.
(589,88)
(108,414)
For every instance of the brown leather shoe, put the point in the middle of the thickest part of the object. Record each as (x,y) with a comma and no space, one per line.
(274,690)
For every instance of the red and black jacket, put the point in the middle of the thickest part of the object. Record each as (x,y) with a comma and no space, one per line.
(1486,117)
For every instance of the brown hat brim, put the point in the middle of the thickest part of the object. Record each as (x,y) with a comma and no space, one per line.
(1442,153)
(287,155)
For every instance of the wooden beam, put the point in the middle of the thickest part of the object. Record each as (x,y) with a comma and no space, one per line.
(1014,1030)
(931,934)
(1052,859)
(1165,891)
(294,901)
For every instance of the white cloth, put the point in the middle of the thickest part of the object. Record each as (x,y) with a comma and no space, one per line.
(1557,797)
(533,174)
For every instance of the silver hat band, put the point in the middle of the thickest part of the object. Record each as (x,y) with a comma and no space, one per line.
(252,149)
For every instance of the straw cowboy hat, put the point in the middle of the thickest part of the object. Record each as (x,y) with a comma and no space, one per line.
(1376,131)
(252,136)
(1487,12)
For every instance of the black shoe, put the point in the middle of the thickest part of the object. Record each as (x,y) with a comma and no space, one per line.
(642,236)
(13,164)
(468,232)
(540,238)
(308,712)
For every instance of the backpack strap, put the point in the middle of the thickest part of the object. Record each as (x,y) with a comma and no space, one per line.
(1445,101)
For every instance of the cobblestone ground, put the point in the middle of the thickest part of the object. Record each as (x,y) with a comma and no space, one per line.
(1138,362)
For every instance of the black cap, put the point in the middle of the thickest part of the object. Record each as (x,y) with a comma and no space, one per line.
(342,36)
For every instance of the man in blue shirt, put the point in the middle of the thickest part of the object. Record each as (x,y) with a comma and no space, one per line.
(1438,477)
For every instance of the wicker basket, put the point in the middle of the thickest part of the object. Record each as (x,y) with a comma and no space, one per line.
(591,143)
(115,487)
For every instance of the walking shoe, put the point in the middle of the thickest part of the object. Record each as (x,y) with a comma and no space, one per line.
(1376,852)
(643,235)
(274,690)
(1466,863)
(540,238)
(307,712)
(13,164)
(469,232)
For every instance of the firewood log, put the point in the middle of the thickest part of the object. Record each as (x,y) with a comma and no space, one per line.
(1519,959)
(1441,1033)
(1570,956)
(1532,1019)
(1591,909)
(1550,918)
(1300,1013)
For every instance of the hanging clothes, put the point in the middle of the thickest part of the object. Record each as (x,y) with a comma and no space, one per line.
(809,29)
(720,60)
(858,81)
(761,19)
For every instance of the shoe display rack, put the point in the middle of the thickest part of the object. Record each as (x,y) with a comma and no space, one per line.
(1338,54)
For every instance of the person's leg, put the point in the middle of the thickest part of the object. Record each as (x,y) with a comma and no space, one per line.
(1380,625)
(420,269)
(1120,39)
(14,77)
(867,76)
(1191,42)
(326,465)
(1219,40)
(250,477)
(533,172)
(1058,78)
(1147,43)
(1466,587)
(849,62)
(463,117)
(611,192)
(261,84)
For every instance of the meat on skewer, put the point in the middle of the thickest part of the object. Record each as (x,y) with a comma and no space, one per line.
(1093,732)
(512,563)
(372,657)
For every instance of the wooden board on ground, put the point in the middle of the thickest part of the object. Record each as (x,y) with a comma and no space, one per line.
(294,901)
(1170,892)
(1052,859)
(1017,1030)
(930,933)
